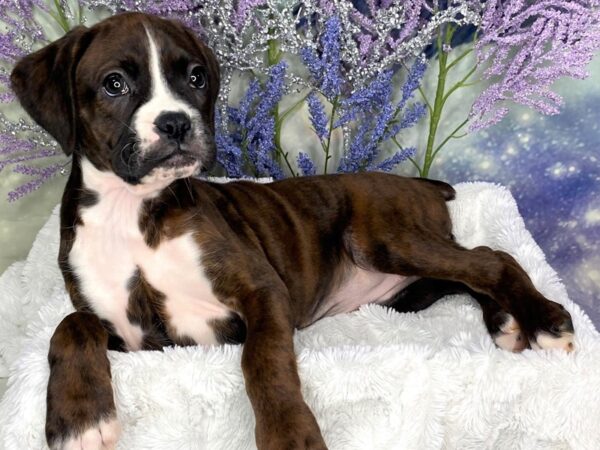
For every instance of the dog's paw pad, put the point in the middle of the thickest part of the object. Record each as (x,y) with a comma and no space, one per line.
(102,436)
(547,340)
(510,337)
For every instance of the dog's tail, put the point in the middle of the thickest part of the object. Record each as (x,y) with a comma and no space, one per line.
(445,189)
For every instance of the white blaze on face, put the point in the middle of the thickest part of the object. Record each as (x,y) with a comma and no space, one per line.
(162,100)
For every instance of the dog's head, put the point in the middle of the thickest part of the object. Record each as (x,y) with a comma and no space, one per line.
(134,94)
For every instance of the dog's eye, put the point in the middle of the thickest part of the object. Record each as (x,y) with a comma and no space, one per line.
(115,85)
(198,77)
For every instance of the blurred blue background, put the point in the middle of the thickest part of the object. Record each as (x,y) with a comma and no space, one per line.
(552,166)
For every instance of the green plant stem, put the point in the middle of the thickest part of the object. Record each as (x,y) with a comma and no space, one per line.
(279,119)
(450,136)
(287,162)
(292,108)
(460,84)
(438,104)
(60,16)
(429,108)
(441,97)
(459,58)
(334,106)
(273,57)
(79,13)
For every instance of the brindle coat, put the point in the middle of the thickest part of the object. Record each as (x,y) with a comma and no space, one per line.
(273,253)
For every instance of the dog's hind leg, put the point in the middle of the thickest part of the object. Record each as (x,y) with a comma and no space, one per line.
(495,274)
(501,325)
(423,293)
(81,411)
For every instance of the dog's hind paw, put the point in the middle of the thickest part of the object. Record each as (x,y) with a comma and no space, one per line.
(556,332)
(510,337)
(101,436)
(563,341)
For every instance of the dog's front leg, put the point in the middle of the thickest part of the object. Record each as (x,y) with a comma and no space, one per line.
(283,420)
(80,411)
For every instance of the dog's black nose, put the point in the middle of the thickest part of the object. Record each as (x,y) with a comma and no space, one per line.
(173,125)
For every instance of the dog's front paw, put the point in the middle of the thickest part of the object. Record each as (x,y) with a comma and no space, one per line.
(81,414)
(291,431)
(296,440)
(555,330)
(80,407)
(103,435)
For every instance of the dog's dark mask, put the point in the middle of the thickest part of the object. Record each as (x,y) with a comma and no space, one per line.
(134,94)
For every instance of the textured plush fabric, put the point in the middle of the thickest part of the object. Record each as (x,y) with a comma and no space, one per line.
(375,379)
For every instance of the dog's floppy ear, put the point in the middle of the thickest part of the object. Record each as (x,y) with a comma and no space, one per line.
(43,83)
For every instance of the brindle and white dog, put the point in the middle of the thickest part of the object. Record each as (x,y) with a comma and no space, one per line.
(152,257)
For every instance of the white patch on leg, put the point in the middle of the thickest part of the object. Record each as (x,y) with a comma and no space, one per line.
(510,337)
(102,436)
(545,341)
(91,439)
(110,430)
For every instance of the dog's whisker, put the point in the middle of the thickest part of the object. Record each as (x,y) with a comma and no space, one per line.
(186,181)
(126,125)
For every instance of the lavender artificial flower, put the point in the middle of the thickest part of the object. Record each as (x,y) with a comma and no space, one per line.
(44,153)
(183,10)
(241,114)
(318,117)
(364,148)
(410,15)
(372,107)
(242,11)
(305,164)
(250,129)
(16,37)
(21,142)
(11,144)
(261,127)
(376,93)
(529,45)
(327,7)
(325,68)
(413,80)
(413,114)
(270,97)
(229,153)
(42,175)
(357,152)
(389,164)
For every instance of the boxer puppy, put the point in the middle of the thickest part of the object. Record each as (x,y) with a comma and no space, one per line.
(153,257)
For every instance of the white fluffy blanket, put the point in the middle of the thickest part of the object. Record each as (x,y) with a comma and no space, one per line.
(375,379)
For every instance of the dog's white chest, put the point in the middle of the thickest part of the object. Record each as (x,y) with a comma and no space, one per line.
(109,249)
